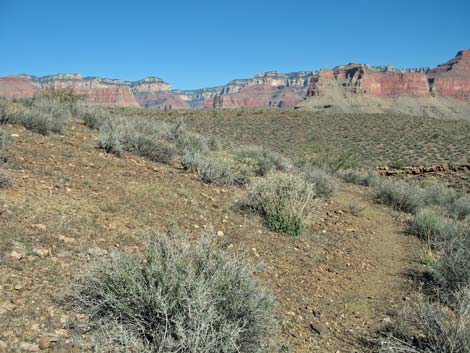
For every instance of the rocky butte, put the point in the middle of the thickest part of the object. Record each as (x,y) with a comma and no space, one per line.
(443,91)
(451,79)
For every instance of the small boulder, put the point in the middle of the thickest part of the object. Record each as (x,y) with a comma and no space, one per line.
(44,342)
(318,328)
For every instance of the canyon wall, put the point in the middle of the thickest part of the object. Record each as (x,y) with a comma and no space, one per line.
(452,79)
(17,86)
(98,91)
(442,92)
(347,88)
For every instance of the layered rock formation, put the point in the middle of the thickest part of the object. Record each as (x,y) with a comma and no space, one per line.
(162,100)
(13,86)
(98,91)
(379,82)
(452,79)
(266,89)
(442,91)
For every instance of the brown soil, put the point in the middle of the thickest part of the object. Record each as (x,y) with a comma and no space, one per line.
(71,201)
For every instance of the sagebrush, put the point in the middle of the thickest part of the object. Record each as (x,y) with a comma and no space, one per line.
(284,201)
(178,296)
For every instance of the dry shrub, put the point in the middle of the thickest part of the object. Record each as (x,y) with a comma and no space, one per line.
(178,296)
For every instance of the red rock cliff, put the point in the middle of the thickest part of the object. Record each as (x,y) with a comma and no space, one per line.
(110,96)
(361,79)
(452,79)
(448,80)
(16,86)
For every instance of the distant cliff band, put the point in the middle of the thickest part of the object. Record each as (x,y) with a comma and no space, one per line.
(341,88)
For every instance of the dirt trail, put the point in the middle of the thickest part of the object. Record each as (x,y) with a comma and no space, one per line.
(364,276)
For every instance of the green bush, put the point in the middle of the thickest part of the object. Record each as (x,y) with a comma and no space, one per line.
(429,226)
(178,296)
(93,117)
(356,177)
(331,159)
(214,144)
(460,208)
(283,200)
(323,182)
(191,142)
(218,172)
(158,141)
(216,169)
(400,195)
(193,161)
(8,111)
(454,262)
(264,160)
(439,194)
(110,137)
(153,148)
(41,122)
(5,180)
(3,139)
(45,116)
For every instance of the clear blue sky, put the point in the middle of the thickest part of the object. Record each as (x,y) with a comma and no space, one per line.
(194,44)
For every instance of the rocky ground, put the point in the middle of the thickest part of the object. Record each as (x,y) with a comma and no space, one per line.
(70,203)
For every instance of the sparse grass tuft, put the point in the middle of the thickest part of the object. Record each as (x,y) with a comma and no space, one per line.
(214,169)
(356,177)
(8,111)
(430,327)
(110,138)
(439,194)
(324,183)
(429,226)
(5,180)
(3,139)
(331,159)
(460,208)
(93,117)
(45,116)
(214,144)
(178,296)
(355,208)
(454,262)
(158,141)
(263,160)
(398,194)
(155,149)
(284,201)
(220,171)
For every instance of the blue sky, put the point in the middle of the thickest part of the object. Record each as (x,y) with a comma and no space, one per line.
(194,44)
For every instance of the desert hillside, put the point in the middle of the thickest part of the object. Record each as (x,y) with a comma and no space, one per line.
(87,191)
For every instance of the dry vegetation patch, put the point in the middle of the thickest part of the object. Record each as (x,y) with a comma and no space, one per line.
(373,139)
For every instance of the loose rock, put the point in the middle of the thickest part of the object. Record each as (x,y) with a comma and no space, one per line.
(318,328)
(38,226)
(29,347)
(44,342)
